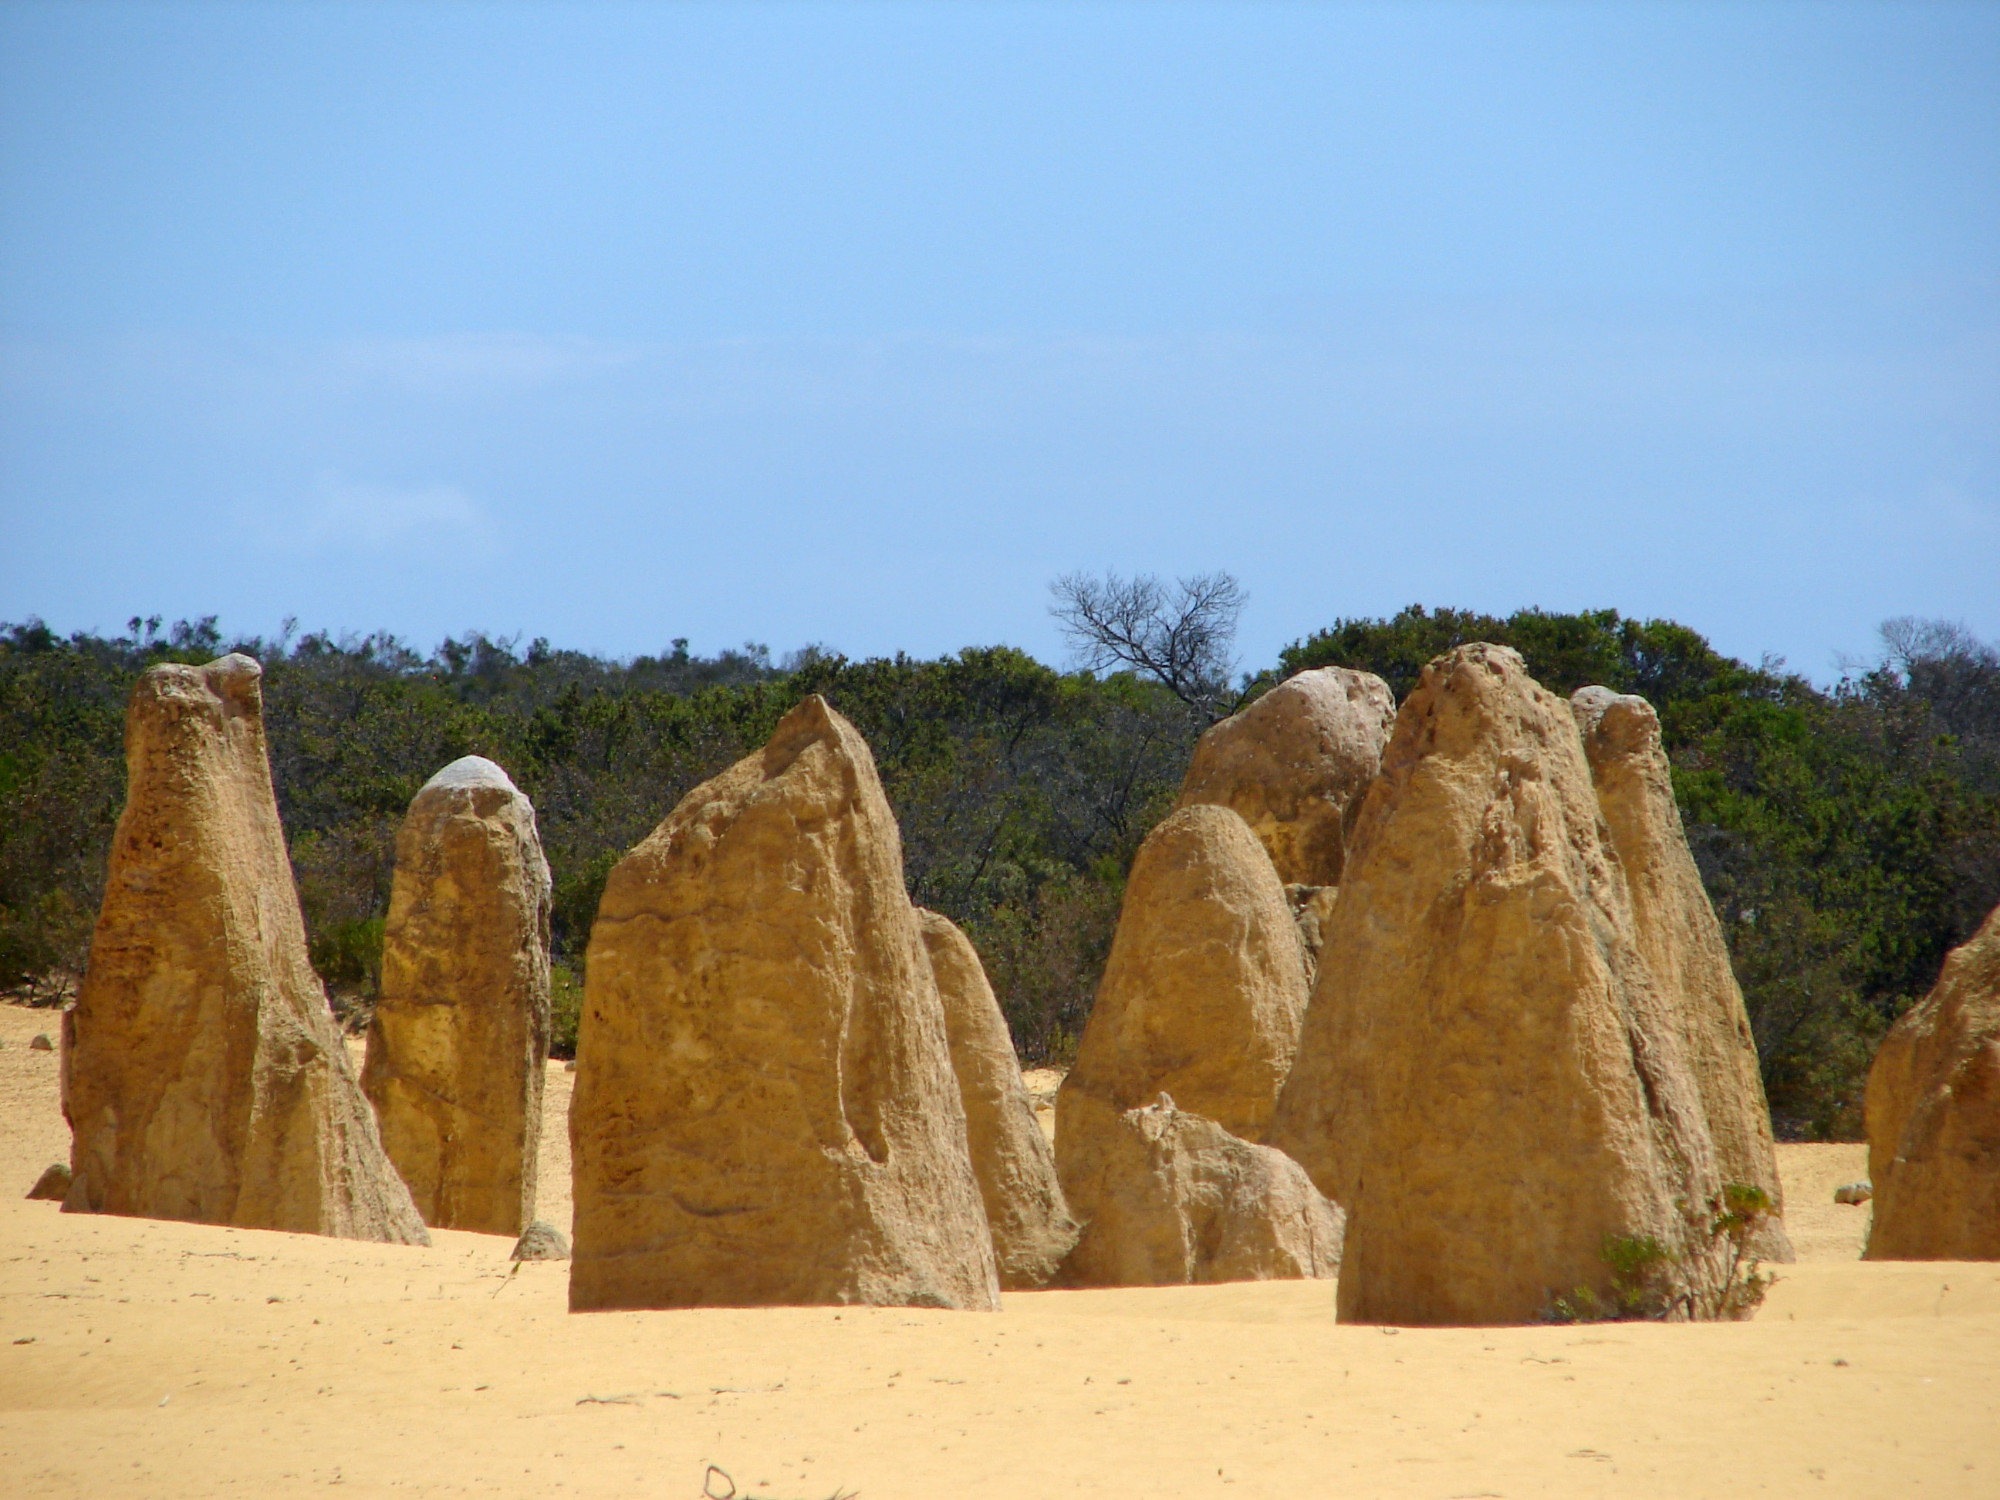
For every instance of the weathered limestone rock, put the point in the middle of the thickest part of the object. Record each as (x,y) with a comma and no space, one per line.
(1676,933)
(765,1110)
(1012,1159)
(1295,765)
(203,1075)
(1934,1116)
(1203,992)
(456,1048)
(1489,1081)
(1173,1198)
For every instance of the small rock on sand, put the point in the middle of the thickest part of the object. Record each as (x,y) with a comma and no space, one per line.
(53,1184)
(541,1240)
(41,1043)
(1854,1192)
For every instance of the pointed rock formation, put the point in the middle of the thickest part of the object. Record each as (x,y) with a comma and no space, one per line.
(1934,1116)
(1677,934)
(1295,765)
(203,1075)
(1015,1165)
(461,1032)
(1204,989)
(1175,1199)
(1489,1082)
(765,1110)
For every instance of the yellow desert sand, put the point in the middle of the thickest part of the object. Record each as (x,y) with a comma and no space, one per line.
(140,1358)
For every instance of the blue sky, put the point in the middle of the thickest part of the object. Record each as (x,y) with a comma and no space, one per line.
(857,324)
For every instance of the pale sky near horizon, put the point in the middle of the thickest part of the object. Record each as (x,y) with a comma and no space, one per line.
(856,324)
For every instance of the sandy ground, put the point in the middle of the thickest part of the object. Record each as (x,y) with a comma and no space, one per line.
(155,1359)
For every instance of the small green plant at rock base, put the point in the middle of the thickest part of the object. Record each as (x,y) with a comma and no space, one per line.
(1639,1266)
(1733,1218)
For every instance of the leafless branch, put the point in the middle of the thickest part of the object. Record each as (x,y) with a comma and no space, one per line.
(1178,635)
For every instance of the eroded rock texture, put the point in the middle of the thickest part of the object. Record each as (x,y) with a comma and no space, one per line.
(1677,934)
(765,1108)
(204,1077)
(1489,1082)
(1173,1198)
(1295,764)
(1934,1116)
(456,1048)
(1012,1159)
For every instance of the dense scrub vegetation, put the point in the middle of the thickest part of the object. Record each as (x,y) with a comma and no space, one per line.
(1848,838)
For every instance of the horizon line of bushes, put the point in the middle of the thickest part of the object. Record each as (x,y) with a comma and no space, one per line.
(1848,837)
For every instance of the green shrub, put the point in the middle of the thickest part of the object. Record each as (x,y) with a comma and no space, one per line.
(348,956)
(565,1009)
(1639,1265)
(1733,1218)
(1847,839)
(1727,1284)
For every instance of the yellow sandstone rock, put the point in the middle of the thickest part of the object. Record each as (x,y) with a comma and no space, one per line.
(1675,928)
(204,1077)
(1934,1116)
(1295,765)
(461,1032)
(765,1110)
(1489,1082)
(1015,1165)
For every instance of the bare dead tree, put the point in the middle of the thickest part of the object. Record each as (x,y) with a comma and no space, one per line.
(1178,635)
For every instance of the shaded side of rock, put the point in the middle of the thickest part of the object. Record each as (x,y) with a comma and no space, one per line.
(1676,932)
(1204,989)
(456,1047)
(1933,1111)
(204,1076)
(1489,1082)
(1011,1157)
(1294,765)
(765,1109)
(1172,1198)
